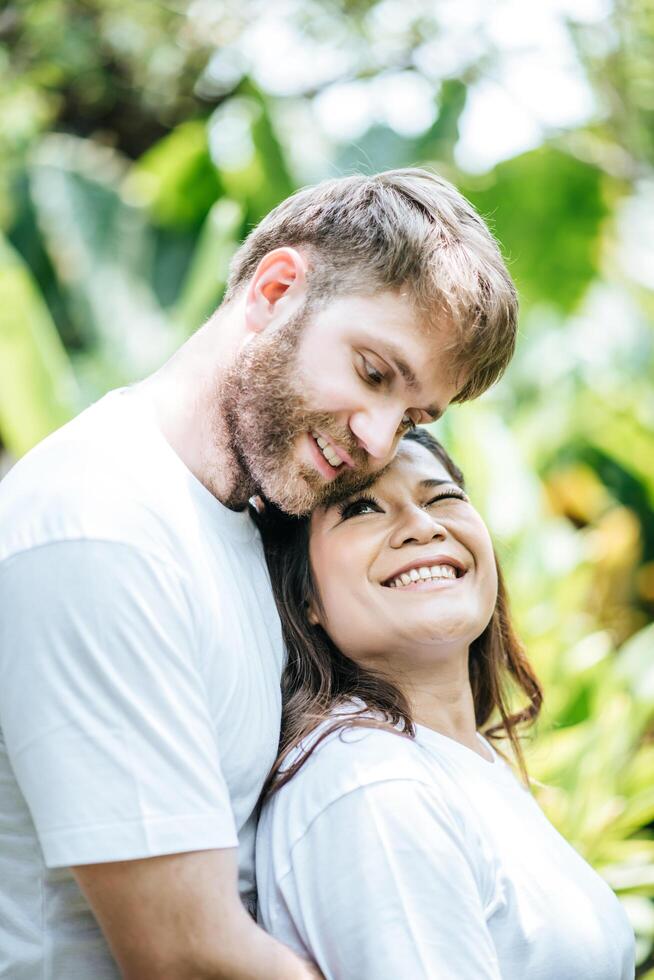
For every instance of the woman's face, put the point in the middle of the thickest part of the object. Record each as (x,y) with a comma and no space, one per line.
(406,572)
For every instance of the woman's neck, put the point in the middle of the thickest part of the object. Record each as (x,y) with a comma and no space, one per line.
(445,704)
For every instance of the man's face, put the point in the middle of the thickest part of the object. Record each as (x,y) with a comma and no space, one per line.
(317,405)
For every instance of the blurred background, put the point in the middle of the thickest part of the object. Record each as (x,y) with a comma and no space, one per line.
(140,141)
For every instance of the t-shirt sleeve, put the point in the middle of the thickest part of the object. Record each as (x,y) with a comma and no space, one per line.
(383,885)
(103,710)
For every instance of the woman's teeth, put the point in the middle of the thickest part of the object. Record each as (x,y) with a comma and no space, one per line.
(422,574)
(327,450)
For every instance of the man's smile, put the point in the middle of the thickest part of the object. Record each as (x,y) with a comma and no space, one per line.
(329,457)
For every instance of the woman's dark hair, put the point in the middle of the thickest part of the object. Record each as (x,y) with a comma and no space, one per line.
(319,678)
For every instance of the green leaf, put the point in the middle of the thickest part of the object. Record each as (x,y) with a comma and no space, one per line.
(100,247)
(278,183)
(207,275)
(620,435)
(262,178)
(439,140)
(38,391)
(546,208)
(636,665)
(176,178)
(638,812)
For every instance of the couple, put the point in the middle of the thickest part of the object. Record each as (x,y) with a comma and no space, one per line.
(141,647)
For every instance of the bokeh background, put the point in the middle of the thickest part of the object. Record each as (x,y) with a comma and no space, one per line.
(139,142)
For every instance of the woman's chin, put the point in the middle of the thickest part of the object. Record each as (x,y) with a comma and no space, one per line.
(441,633)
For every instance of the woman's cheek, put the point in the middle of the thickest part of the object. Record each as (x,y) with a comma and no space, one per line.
(348,621)
(337,603)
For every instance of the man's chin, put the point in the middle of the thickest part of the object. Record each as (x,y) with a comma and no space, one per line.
(295,495)
(300,493)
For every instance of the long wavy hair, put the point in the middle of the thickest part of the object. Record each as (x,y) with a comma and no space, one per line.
(319,679)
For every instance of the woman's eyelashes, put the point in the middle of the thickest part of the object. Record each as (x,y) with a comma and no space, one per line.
(362,505)
(369,505)
(455,493)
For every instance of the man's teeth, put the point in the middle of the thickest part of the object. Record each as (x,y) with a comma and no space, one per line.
(424,573)
(328,451)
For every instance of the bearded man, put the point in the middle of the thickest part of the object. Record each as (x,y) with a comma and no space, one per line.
(140,648)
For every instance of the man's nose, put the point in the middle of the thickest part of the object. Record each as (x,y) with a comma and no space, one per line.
(417,526)
(377,431)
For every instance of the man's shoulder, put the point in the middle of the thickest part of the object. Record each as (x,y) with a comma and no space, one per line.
(99,477)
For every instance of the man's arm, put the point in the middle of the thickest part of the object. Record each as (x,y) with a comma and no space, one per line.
(179,917)
(107,725)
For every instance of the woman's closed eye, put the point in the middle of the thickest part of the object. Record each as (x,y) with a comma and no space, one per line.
(452,494)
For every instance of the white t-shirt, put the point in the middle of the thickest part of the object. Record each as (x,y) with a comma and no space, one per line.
(140,659)
(386,858)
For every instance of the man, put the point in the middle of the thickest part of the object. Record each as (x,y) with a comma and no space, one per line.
(140,650)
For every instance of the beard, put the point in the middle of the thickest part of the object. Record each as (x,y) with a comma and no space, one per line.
(265,413)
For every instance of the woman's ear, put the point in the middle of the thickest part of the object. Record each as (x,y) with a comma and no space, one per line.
(312,614)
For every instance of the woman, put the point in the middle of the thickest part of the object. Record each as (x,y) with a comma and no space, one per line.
(395,842)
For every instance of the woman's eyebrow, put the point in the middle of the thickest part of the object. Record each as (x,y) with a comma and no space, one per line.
(345,493)
(429,484)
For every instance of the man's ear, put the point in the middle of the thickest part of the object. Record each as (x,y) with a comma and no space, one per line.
(276,289)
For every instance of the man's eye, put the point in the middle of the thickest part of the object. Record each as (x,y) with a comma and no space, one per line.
(372,375)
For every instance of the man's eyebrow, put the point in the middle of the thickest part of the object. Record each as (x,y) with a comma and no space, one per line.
(395,356)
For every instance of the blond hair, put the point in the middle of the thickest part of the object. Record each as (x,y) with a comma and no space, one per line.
(406,228)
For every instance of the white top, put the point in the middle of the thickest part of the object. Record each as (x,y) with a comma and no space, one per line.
(386,858)
(140,658)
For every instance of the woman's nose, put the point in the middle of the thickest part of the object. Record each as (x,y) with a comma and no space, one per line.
(417,525)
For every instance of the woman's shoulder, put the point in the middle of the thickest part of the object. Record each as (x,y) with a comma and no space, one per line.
(347,752)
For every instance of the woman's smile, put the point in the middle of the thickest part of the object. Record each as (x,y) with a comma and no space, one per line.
(426,570)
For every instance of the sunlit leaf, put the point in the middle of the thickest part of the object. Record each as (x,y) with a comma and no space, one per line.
(636,666)
(553,260)
(176,179)
(100,248)
(207,275)
(37,386)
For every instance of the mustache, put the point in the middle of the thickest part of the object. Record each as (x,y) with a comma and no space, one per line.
(338,437)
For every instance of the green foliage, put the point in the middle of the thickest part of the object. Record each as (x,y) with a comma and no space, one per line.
(524,199)
(438,142)
(177,178)
(207,275)
(37,385)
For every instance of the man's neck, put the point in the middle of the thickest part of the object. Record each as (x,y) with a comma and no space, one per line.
(186,397)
